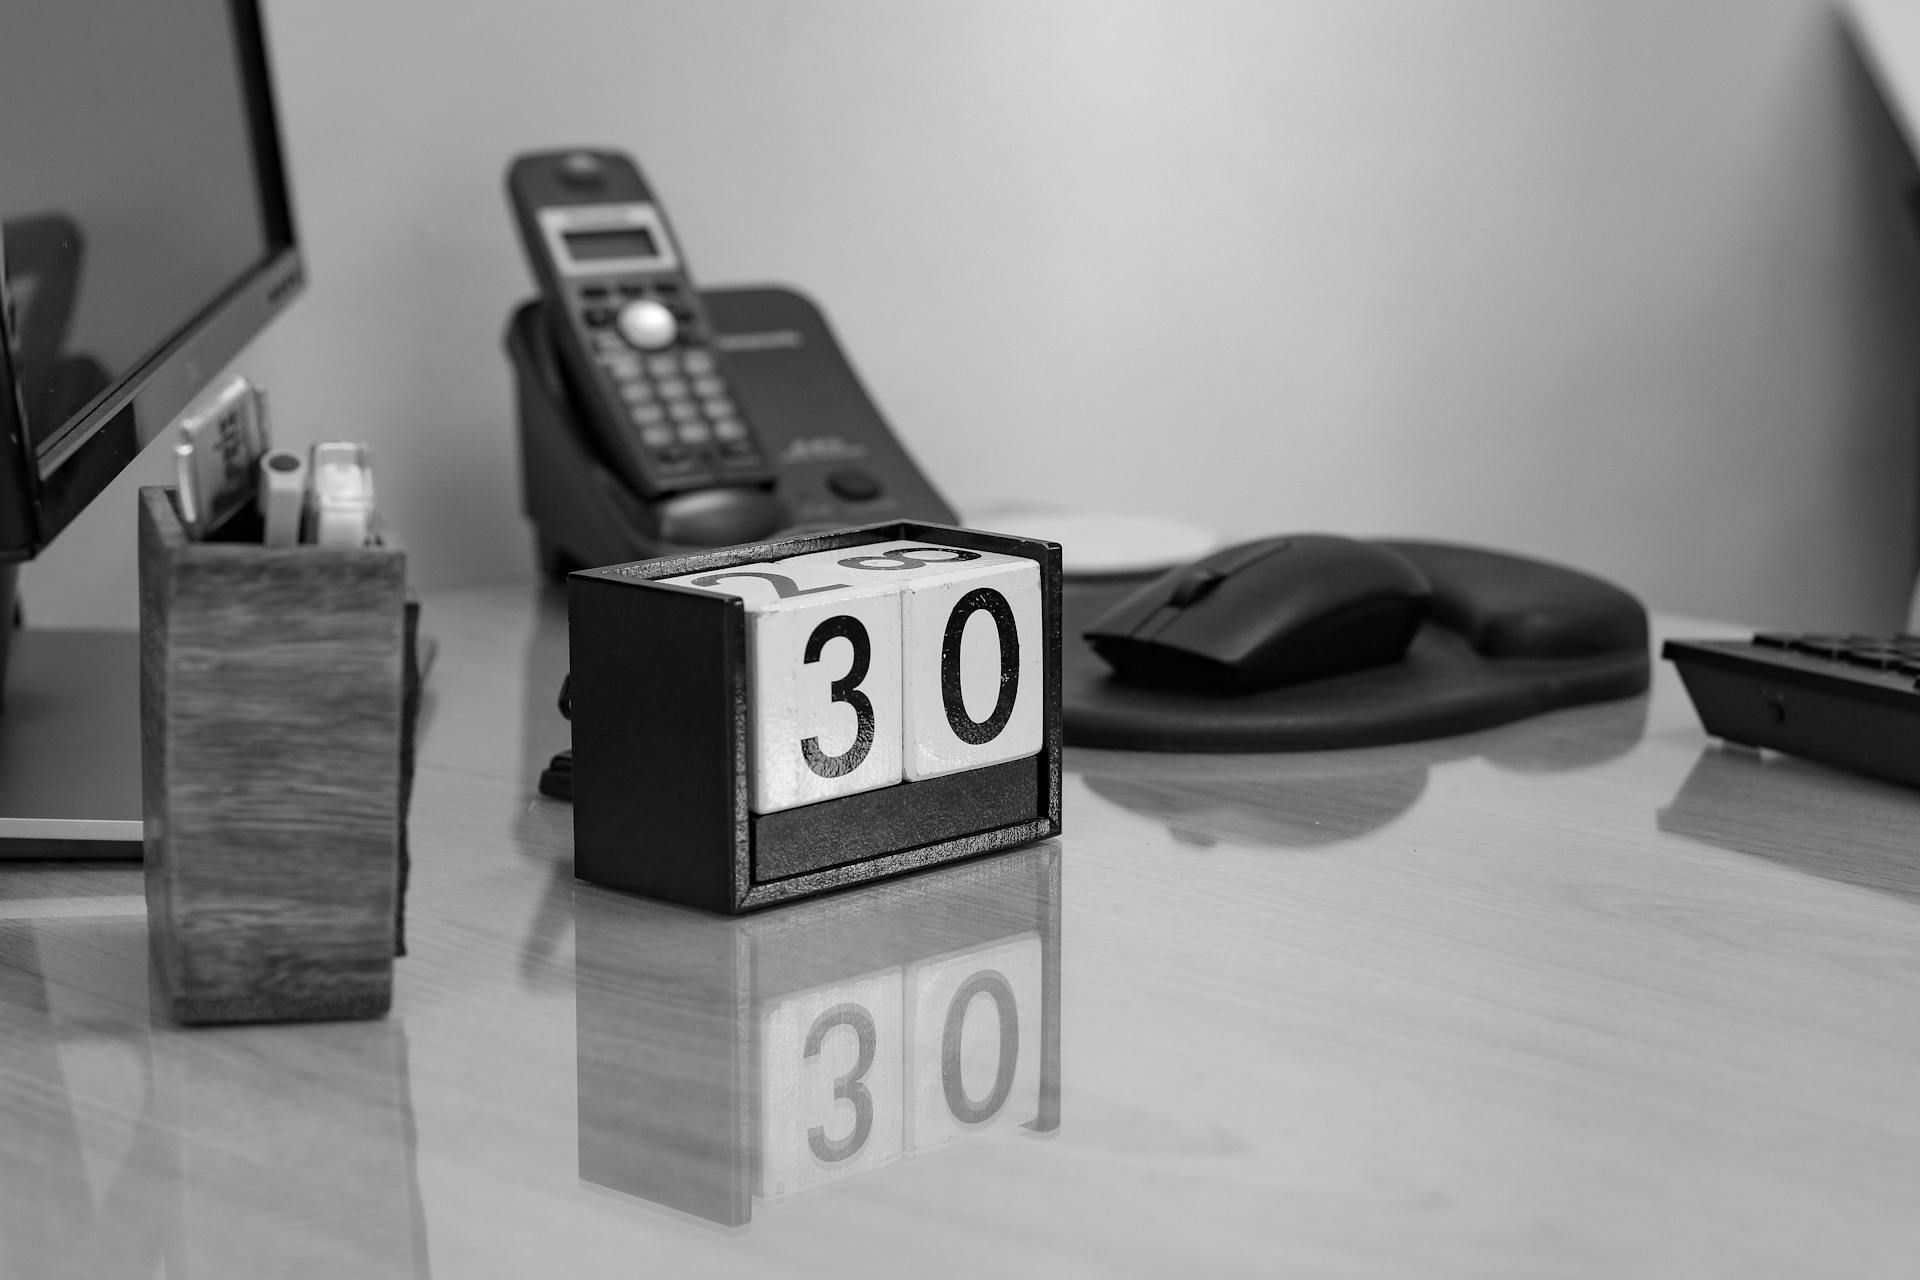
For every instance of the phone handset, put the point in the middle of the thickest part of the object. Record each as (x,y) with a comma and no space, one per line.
(632,330)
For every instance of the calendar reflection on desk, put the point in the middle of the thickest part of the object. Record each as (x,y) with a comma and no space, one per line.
(728,1063)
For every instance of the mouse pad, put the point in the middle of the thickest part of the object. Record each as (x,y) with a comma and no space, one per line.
(1509,637)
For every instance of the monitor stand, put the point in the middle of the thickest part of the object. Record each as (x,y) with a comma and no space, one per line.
(69,743)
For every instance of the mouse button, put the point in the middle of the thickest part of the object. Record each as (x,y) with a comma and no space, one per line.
(1192,584)
(1147,611)
(1156,623)
(1134,611)
(1187,587)
(1231,560)
(1235,626)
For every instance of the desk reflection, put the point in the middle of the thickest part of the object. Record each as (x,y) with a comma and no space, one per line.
(1264,806)
(1311,799)
(1822,821)
(728,1061)
(246,1151)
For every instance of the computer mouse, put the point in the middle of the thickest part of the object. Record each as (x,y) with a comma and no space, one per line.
(1268,613)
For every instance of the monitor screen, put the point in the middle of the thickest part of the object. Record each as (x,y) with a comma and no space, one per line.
(144,229)
(146,234)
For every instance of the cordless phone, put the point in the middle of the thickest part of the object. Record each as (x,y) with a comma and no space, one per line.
(631,329)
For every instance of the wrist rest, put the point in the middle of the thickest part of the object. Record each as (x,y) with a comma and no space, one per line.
(1510,607)
(1509,637)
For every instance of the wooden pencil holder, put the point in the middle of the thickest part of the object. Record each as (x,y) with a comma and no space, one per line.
(271,708)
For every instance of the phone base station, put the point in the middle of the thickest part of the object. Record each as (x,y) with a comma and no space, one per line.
(835,461)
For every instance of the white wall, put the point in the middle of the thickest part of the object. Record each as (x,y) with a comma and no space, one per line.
(1623,284)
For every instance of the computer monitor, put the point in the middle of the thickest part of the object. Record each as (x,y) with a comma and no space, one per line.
(146,233)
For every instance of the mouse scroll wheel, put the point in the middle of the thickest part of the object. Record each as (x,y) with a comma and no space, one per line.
(1192,586)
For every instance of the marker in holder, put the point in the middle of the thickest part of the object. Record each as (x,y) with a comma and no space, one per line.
(340,495)
(283,497)
(222,438)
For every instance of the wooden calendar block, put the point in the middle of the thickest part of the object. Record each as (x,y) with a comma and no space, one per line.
(663,709)
(975,1024)
(971,629)
(830,1083)
(823,676)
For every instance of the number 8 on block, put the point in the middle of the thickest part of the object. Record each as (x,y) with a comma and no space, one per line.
(971,667)
(823,680)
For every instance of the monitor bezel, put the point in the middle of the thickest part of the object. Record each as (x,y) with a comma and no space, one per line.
(43,489)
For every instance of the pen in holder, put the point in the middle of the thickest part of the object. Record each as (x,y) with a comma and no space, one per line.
(272,714)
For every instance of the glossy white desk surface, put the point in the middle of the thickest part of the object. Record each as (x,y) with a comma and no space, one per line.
(1580,996)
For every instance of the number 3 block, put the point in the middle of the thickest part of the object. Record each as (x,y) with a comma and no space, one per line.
(970,626)
(824,676)
(830,1087)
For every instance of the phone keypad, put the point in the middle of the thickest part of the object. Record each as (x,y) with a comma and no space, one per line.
(678,404)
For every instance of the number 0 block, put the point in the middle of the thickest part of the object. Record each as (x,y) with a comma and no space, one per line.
(970,624)
(823,676)
(975,1042)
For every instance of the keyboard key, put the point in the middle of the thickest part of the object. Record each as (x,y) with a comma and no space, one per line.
(1821,646)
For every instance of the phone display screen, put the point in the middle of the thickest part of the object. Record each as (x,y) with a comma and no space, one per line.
(599,246)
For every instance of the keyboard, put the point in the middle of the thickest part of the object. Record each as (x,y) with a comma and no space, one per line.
(1850,701)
